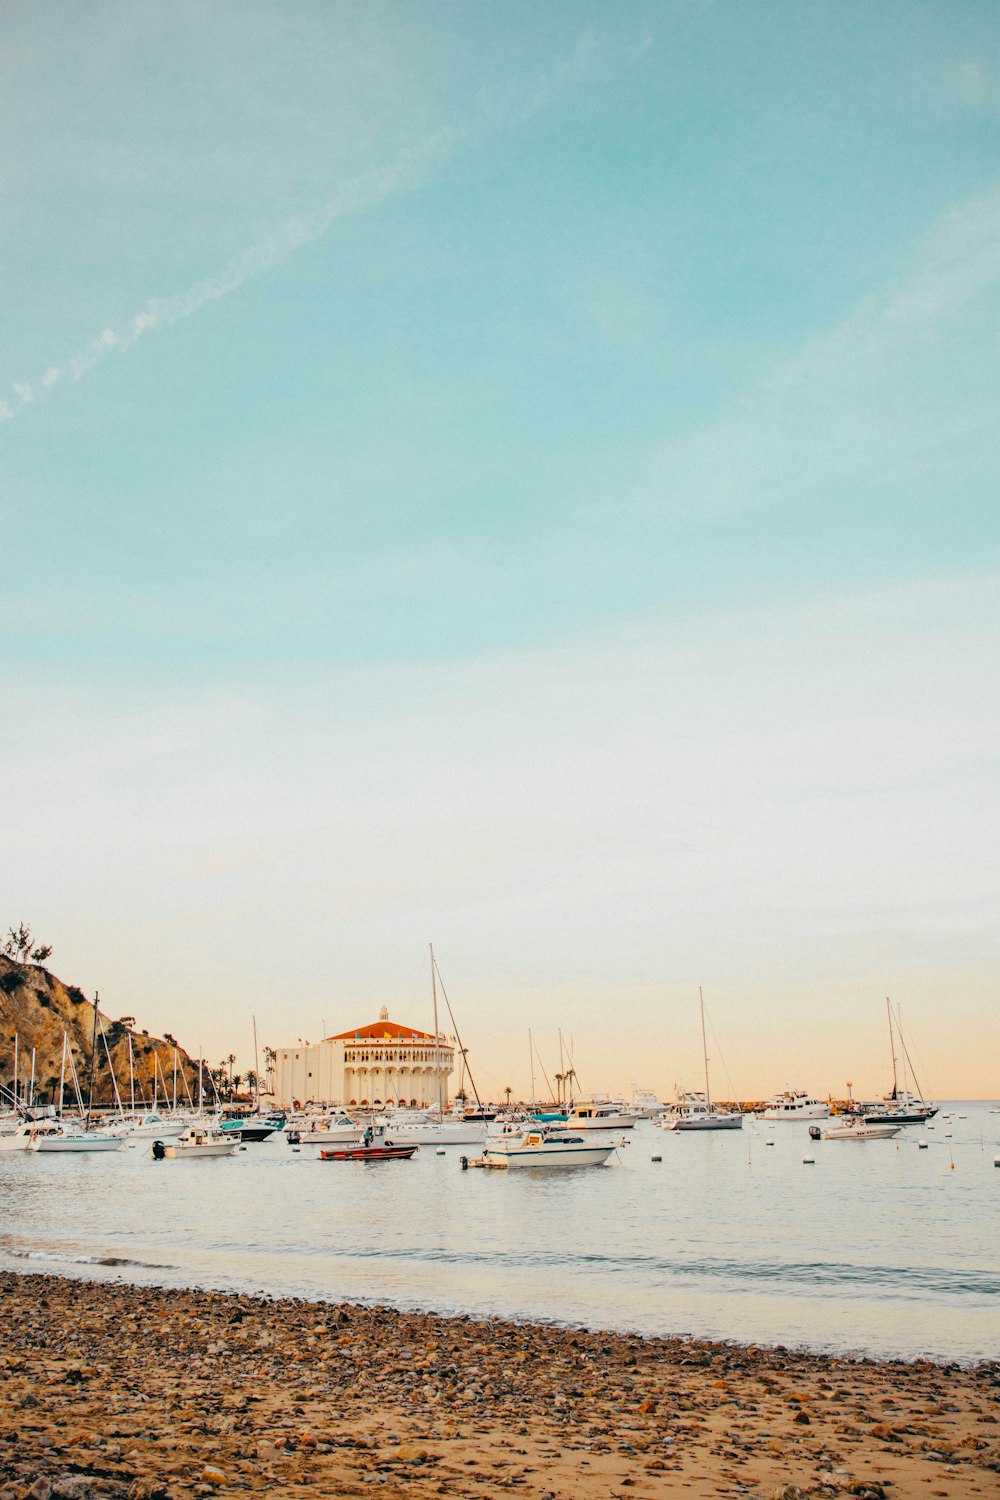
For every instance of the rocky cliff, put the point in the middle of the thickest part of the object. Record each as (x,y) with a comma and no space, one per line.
(41,1010)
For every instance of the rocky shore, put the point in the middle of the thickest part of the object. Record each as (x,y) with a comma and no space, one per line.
(120,1391)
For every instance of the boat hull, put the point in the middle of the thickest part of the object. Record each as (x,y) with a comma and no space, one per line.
(369,1153)
(716,1122)
(78,1143)
(901,1117)
(178,1151)
(548,1157)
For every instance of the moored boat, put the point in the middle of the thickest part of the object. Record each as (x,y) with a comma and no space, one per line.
(795,1105)
(84,1140)
(374,1145)
(590,1115)
(852,1128)
(692,1111)
(194,1143)
(549,1149)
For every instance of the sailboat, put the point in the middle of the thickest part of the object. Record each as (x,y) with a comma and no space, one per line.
(901,1107)
(693,1111)
(86,1139)
(432,1127)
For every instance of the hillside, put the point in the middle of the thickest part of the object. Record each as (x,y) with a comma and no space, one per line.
(41,1009)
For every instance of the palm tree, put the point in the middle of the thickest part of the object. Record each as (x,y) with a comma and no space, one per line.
(508,1091)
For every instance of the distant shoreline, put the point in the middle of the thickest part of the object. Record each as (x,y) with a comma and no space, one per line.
(147,1389)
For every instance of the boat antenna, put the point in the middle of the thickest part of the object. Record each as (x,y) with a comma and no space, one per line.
(462,1052)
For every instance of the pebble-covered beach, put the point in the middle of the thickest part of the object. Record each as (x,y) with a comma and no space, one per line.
(118,1391)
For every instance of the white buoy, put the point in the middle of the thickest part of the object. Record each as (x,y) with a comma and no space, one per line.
(809,1161)
(921,1145)
(440,1151)
(768,1143)
(656,1158)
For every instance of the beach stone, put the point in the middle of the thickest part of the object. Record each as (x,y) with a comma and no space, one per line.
(212,1476)
(41,1489)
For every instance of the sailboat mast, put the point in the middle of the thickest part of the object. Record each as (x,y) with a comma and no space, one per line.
(437,1044)
(704,1046)
(531,1062)
(93,1063)
(892,1045)
(62,1076)
(131,1075)
(256,1066)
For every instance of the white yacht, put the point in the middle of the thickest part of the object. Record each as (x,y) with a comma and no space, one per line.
(795,1105)
(416,1129)
(645,1103)
(591,1115)
(548,1149)
(336,1130)
(22,1136)
(150,1126)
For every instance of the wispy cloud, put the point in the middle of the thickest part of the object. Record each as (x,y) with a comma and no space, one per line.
(889,381)
(355,196)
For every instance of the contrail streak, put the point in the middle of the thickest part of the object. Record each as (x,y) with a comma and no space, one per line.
(357,195)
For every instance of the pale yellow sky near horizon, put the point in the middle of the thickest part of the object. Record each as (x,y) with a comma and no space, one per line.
(587,835)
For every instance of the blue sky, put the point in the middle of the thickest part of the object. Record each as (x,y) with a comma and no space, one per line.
(519,476)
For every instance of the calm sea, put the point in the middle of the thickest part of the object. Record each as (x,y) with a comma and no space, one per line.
(878,1248)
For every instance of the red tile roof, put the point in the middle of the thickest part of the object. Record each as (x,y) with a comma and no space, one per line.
(380,1031)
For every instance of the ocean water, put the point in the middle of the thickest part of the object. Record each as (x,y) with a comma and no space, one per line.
(879,1248)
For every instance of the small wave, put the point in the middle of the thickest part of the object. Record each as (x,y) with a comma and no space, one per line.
(888,1279)
(54,1257)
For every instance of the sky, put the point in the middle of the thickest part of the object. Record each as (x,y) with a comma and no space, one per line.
(517,477)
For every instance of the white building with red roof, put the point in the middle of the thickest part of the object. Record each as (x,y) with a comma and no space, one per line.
(368,1067)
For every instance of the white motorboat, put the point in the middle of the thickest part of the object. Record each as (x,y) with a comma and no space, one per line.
(338,1130)
(194,1143)
(21,1138)
(548,1149)
(645,1104)
(151,1126)
(693,1111)
(590,1115)
(853,1128)
(795,1105)
(420,1130)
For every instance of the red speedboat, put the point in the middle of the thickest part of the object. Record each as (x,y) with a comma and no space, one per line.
(369,1153)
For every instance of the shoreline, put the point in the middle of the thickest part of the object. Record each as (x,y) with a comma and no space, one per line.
(131,1390)
(112,1271)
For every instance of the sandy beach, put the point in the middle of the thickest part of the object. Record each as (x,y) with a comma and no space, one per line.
(114,1390)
